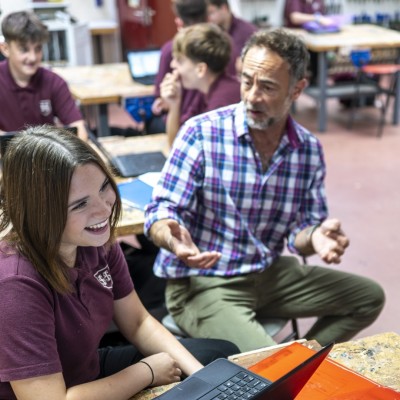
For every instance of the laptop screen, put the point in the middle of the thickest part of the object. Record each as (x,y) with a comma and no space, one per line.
(143,63)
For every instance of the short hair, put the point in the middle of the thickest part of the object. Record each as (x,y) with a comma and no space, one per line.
(204,43)
(37,170)
(218,3)
(24,27)
(190,11)
(287,45)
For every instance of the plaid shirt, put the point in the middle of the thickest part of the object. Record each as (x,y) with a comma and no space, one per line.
(213,184)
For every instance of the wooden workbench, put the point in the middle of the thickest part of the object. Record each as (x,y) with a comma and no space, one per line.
(133,219)
(349,37)
(100,85)
(376,357)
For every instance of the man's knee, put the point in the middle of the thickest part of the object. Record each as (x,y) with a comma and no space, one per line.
(377,297)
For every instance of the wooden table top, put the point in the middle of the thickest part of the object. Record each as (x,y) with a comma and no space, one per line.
(98,28)
(102,83)
(133,219)
(376,357)
(364,35)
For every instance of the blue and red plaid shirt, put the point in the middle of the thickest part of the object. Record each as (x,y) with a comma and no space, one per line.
(213,183)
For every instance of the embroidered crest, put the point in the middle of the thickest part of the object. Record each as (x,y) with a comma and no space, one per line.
(45,107)
(104,277)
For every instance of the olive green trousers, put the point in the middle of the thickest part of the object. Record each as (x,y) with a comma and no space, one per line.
(228,307)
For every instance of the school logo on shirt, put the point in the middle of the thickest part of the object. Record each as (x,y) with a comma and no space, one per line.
(104,277)
(45,107)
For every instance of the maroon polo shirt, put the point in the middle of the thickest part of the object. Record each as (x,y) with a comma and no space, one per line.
(43,332)
(192,100)
(224,91)
(240,31)
(46,97)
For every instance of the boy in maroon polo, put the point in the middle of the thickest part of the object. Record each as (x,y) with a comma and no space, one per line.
(219,12)
(187,12)
(30,94)
(201,54)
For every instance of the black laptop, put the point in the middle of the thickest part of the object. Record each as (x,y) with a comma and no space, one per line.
(223,379)
(144,64)
(133,164)
(5,137)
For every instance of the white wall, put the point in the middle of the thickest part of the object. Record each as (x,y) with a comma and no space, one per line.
(251,9)
(83,11)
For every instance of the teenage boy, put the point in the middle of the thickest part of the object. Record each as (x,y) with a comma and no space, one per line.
(29,93)
(219,12)
(187,13)
(201,54)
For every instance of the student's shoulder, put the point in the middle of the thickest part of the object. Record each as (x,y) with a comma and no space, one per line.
(3,66)
(167,48)
(241,26)
(47,73)
(14,265)
(49,80)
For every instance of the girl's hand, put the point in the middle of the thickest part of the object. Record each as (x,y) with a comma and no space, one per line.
(165,369)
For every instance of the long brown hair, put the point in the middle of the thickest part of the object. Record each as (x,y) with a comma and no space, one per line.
(37,171)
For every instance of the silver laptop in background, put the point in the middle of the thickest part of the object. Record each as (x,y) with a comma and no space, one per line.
(144,64)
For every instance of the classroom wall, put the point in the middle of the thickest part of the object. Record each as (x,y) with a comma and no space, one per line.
(250,9)
(83,11)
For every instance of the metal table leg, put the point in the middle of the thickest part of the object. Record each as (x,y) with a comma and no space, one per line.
(322,84)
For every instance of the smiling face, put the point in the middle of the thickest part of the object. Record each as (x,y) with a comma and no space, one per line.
(24,59)
(90,202)
(265,88)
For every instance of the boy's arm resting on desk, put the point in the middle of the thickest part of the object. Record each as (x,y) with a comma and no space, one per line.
(170,235)
(326,239)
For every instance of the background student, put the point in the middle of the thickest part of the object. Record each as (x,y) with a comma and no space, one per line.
(187,12)
(29,93)
(240,183)
(219,12)
(298,12)
(63,279)
(201,54)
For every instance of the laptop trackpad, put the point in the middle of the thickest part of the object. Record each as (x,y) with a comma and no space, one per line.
(192,388)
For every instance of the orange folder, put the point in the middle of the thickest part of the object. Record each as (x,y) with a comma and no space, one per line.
(331,381)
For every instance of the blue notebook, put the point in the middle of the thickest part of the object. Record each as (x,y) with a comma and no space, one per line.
(135,193)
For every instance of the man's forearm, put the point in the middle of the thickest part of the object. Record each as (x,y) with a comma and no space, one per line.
(160,234)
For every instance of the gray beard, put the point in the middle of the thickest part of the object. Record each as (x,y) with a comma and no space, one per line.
(260,125)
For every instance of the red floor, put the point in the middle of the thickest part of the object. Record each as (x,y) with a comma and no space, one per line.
(363,187)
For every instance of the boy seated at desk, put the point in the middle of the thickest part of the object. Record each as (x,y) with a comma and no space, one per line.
(201,54)
(29,93)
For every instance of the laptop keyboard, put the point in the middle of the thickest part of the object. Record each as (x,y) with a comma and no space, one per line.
(242,386)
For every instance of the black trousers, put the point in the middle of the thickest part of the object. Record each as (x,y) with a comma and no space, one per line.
(115,359)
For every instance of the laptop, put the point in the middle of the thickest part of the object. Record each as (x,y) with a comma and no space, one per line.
(143,65)
(223,377)
(5,137)
(131,165)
